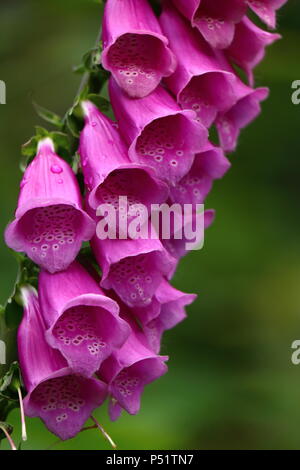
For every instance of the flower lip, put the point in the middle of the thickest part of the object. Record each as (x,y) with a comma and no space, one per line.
(19,234)
(159,189)
(240,115)
(135,49)
(65,417)
(177,167)
(82,323)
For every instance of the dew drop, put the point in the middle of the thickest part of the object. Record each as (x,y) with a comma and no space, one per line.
(56,169)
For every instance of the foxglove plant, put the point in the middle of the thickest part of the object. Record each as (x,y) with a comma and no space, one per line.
(171,77)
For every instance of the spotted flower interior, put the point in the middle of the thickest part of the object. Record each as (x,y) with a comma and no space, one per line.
(136,278)
(138,63)
(52,235)
(167,144)
(64,403)
(85,336)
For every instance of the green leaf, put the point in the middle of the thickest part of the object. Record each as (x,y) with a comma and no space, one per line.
(48,116)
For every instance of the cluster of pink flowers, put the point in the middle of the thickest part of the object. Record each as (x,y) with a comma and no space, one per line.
(83,339)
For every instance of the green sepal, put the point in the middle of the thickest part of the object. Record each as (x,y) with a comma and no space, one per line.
(61,143)
(48,116)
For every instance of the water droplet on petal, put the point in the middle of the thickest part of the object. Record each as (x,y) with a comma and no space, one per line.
(60,181)
(94,124)
(56,169)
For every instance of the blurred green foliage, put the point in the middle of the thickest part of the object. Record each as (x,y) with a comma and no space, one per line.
(231,383)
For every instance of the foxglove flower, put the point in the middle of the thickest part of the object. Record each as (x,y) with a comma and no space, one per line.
(215,19)
(63,400)
(128,371)
(248,46)
(135,50)
(132,268)
(199,82)
(172,311)
(266,10)
(246,109)
(188,233)
(107,170)
(158,132)
(49,224)
(82,323)
(208,165)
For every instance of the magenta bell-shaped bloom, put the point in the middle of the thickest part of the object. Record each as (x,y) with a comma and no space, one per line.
(129,370)
(135,50)
(199,82)
(158,132)
(132,268)
(63,400)
(107,170)
(82,322)
(179,247)
(248,46)
(246,109)
(266,10)
(215,19)
(208,165)
(49,224)
(172,311)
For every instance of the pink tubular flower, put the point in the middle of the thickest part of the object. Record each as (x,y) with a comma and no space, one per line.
(49,224)
(107,169)
(215,19)
(177,247)
(248,46)
(64,401)
(240,115)
(158,132)
(199,81)
(128,370)
(82,323)
(135,50)
(172,311)
(208,165)
(266,10)
(132,268)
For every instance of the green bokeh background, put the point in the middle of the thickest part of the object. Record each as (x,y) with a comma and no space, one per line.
(231,383)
